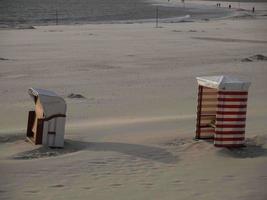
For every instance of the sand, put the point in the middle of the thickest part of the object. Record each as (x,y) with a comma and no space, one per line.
(131,136)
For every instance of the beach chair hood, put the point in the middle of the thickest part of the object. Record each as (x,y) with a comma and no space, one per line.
(223,83)
(52,104)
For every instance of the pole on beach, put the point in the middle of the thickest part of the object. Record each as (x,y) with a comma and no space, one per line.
(183,2)
(56,17)
(56,11)
(157,17)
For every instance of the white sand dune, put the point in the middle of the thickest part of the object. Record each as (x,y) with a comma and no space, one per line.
(132,136)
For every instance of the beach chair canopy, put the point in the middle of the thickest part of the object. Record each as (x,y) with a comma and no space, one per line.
(51,103)
(223,83)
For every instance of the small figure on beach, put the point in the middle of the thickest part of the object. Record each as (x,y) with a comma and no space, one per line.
(230,6)
(183,2)
(253,9)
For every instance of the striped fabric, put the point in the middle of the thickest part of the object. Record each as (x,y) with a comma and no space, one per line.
(221,115)
(230,119)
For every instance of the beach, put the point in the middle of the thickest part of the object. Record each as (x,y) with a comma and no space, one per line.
(131,135)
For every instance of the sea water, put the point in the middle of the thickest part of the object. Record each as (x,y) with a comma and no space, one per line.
(46,12)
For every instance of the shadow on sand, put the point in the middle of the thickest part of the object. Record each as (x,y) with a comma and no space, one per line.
(254,147)
(249,151)
(141,151)
(9,138)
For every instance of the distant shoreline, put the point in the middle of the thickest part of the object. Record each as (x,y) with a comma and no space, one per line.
(119,12)
(94,12)
(244,1)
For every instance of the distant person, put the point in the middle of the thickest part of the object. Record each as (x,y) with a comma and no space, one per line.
(253,9)
(230,6)
(183,2)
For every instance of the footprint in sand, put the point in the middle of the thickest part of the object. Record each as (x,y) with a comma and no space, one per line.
(32,191)
(204,179)
(147,185)
(178,182)
(87,188)
(57,186)
(75,96)
(116,185)
(229,177)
